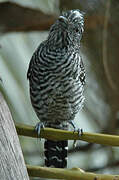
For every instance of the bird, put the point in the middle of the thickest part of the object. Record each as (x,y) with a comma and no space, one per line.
(56,77)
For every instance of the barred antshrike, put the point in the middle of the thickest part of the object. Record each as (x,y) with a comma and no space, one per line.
(57,77)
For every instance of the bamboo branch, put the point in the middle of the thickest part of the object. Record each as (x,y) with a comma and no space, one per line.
(69,174)
(57,134)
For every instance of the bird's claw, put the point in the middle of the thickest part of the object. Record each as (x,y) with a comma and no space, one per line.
(80,131)
(38,127)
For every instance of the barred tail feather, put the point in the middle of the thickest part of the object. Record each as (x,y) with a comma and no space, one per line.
(56,153)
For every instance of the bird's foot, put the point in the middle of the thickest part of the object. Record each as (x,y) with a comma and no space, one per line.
(80,133)
(79,130)
(38,127)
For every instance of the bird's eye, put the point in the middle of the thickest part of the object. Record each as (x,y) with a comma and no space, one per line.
(76,30)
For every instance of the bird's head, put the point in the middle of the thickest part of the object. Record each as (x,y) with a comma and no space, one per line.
(68,29)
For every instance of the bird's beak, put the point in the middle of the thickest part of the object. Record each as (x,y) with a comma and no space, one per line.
(62,19)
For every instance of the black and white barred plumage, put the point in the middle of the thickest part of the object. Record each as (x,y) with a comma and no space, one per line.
(57,76)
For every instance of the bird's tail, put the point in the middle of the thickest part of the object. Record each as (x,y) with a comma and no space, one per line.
(56,153)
